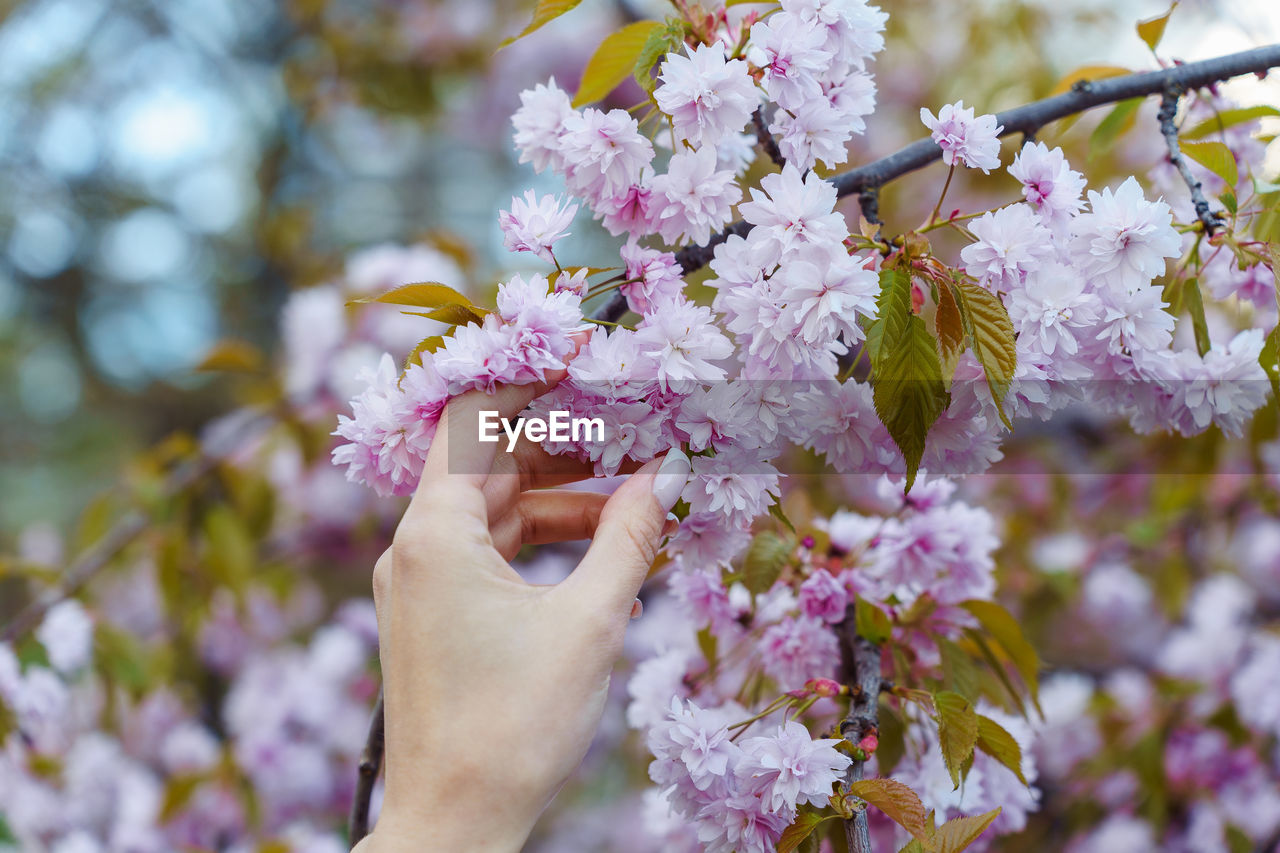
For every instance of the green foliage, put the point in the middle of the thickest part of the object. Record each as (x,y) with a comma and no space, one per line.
(948,326)
(990,331)
(873,623)
(907,384)
(957,732)
(959,671)
(1120,119)
(898,802)
(1004,629)
(614,60)
(454,315)
(231,356)
(1193,302)
(995,741)
(807,820)
(545,12)
(430,344)
(423,294)
(1269,358)
(229,548)
(1228,118)
(657,44)
(1152,29)
(958,833)
(1216,157)
(766,558)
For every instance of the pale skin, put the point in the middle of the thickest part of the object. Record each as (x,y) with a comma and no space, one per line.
(494,687)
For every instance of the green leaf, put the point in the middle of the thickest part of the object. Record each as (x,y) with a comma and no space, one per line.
(1228,118)
(958,833)
(1152,29)
(1120,119)
(121,658)
(899,803)
(430,344)
(995,741)
(872,622)
(768,554)
(991,337)
(1085,74)
(957,731)
(1229,201)
(1215,157)
(614,60)
(948,326)
(545,12)
(775,509)
(6,834)
(1004,629)
(958,668)
(1269,358)
(907,385)
(998,667)
(425,294)
(658,44)
(231,356)
(454,314)
(806,822)
(1193,301)
(707,645)
(230,551)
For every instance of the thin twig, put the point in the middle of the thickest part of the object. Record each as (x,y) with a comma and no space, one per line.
(860,669)
(766,140)
(132,525)
(370,766)
(1168,110)
(1029,118)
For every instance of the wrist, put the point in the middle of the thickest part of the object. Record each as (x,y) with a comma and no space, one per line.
(448,833)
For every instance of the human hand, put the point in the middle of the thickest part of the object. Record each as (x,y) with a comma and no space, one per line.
(493,687)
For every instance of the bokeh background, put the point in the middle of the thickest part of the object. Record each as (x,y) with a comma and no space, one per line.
(172,169)
(191,189)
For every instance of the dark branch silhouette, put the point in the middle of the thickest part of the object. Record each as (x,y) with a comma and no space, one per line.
(370,765)
(1169,130)
(860,670)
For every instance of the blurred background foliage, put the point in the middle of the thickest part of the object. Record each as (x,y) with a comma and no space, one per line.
(173,168)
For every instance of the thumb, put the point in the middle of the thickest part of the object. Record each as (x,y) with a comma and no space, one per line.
(629,533)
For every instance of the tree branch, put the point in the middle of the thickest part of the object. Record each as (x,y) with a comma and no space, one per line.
(1168,110)
(1028,119)
(132,525)
(860,669)
(765,138)
(370,765)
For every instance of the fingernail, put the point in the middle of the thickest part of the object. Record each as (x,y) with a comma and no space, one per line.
(637,607)
(672,475)
(672,525)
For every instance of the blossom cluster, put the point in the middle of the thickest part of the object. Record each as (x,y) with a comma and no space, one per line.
(924,554)
(292,725)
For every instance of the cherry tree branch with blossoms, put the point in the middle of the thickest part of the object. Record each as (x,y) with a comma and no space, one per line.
(1049,292)
(1027,120)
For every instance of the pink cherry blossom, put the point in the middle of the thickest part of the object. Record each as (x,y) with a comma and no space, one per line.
(964,139)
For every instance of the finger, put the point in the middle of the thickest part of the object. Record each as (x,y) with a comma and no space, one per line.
(628,535)
(457,448)
(540,518)
(530,467)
